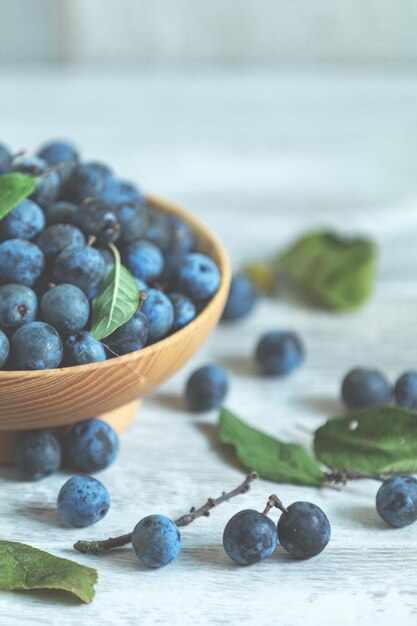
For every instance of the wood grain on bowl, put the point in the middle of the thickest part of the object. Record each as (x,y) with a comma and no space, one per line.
(52,398)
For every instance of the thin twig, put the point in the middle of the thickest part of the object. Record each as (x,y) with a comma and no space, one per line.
(274,501)
(341,477)
(94,547)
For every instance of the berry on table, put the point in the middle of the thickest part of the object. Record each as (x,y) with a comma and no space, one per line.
(304,530)
(144,260)
(25,221)
(36,454)
(66,308)
(279,352)
(4,348)
(206,388)
(36,346)
(363,387)
(83,501)
(241,300)
(129,337)
(82,348)
(156,540)
(396,500)
(20,262)
(83,267)
(405,390)
(249,537)
(18,305)
(184,310)
(56,237)
(92,445)
(198,277)
(159,311)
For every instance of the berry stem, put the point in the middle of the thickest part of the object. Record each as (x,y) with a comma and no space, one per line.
(52,168)
(341,477)
(94,547)
(274,501)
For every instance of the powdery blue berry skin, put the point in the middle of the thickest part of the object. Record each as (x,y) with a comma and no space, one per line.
(241,300)
(48,187)
(37,454)
(5,159)
(181,235)
(304,531)
(18,306)
(279,353)
(405,390)
(159,312)
(249,537)
(21,261)
(87,180)
(36,346)
(129,337)
(56,237)
(198,277)
(83,501)
(66,308)
(173,261)
(144,260)
(82,348)
(62,152)
(365,387)
(92,445)
(159,232)
(25,221)
(83,267)
(156,540)
(99,219)
(134,221)
(396,500)
(61,213)
(184,310)
(4,349)
(206,388)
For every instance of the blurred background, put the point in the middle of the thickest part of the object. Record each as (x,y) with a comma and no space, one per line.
(305,110)
(166,32)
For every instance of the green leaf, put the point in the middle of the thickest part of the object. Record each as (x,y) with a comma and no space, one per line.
(24,567)
(373,440)
(117,302)
(273,459)
(14,188)
(333,271)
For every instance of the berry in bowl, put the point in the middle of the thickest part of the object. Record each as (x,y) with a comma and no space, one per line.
(104,291)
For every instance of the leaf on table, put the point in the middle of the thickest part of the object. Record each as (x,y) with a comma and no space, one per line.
(273,459)
(117,302)
(24,567)
(373,440)
(334,271)
(14,188)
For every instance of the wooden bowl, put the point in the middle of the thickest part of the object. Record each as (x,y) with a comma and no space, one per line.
(53,398)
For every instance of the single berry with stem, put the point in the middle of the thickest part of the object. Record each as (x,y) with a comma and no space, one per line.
(396,500)
(249,537)
(82,348)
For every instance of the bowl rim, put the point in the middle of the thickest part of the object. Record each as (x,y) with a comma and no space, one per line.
(223,264)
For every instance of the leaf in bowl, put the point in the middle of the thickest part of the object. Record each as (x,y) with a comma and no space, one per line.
(14,188)
(117,302)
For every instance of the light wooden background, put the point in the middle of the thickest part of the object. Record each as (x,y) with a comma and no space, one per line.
(218,31)
(259,157)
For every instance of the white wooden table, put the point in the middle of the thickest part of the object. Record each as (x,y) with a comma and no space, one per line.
(259,157)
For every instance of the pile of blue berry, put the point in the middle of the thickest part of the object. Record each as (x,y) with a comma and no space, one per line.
(364,387)
(54,257)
